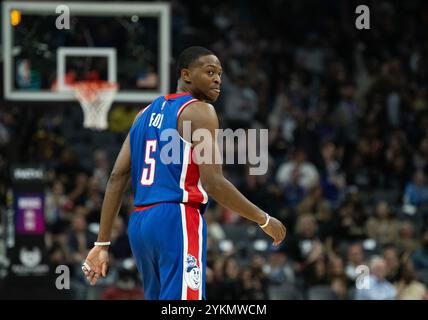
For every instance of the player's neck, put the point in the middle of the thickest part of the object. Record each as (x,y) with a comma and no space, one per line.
(183,87)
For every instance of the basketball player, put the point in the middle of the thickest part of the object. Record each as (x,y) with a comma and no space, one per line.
(167,230)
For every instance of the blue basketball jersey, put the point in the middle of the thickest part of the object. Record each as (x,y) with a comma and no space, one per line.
(156,175)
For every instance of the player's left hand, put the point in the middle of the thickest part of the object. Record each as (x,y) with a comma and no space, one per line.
(96,264)
(276,230)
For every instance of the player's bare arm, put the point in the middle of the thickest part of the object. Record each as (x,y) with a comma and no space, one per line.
(96,263)
(203,116)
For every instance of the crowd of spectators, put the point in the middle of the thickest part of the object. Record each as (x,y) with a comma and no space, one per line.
(347,113)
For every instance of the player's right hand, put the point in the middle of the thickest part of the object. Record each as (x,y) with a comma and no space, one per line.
(96,264)
(276,230)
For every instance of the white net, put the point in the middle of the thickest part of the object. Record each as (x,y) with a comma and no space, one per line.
(96,98)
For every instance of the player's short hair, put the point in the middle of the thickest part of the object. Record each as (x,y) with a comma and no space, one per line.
(189,55)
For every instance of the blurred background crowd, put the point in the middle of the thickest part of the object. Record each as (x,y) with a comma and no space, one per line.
(347,113)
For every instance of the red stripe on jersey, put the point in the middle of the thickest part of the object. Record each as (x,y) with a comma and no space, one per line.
(191,182)
(175,95)
(192,225)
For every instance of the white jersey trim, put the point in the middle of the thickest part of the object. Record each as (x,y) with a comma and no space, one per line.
(183,175)
(185,247)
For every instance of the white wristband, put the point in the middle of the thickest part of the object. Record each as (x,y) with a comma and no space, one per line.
(107,243)
(266,223)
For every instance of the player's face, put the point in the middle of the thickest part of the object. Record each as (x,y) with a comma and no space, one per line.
(205,76)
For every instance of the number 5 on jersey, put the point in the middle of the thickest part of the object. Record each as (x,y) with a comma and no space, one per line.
(148,175)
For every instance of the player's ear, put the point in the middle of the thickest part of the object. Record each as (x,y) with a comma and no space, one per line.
(185,75)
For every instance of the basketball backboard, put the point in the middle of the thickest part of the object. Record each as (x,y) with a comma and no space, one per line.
(124,42)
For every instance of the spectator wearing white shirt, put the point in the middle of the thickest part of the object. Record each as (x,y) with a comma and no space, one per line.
(307,173)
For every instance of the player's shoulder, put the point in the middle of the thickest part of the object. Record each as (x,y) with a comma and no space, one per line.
(140,113)
(201,115)
(200,109)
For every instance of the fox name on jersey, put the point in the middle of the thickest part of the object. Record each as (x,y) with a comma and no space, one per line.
(154,181)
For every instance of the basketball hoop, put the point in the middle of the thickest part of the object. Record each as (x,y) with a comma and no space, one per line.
(95,98)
